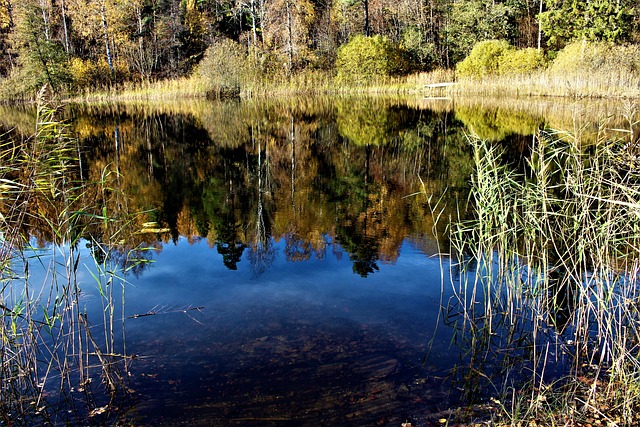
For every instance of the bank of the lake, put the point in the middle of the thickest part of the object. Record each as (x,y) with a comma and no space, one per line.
(437,84)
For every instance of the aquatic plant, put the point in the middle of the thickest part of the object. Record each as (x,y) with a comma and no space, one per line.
(52,356)
(546,280)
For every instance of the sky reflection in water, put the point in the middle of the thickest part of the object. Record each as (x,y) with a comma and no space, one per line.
(349,333)
(316,317)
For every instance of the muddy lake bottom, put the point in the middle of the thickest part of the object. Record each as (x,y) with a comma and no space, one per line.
(296,375)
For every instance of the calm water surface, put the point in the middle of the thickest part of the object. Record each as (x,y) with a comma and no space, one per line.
(298,274)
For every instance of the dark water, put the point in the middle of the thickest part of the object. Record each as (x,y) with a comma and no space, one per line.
(299,275)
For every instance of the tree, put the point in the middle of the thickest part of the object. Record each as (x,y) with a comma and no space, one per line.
(351,17)
(193,34)
(6,26)
(422,54)
(101,30)
(287,30)
(473,21)
(526,25)
(323,37)
(225,68)
(42,59)
(364,59)
(596,20)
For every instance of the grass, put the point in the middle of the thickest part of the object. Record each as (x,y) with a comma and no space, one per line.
(544,83)
(50,347)
(306,82)
(548,280)
(553,84)
(540,84)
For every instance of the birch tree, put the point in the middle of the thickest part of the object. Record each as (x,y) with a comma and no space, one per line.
(287,30)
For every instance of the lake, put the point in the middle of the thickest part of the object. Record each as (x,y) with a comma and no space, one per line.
(286,261)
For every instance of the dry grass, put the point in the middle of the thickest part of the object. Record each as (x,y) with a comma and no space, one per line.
(552,84)
(546,83)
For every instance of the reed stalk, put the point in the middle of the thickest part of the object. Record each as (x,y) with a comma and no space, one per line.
(52,356)
(548,267)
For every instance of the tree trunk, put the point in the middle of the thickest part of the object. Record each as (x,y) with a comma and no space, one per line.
(10,14)
(45,19)
(254,31)
(65,29)
(156,50)
(367,31)
(290,37)
(144,67)
(539,29)
(105,29)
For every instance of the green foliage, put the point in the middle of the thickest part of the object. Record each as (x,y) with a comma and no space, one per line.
(605,58)
(364,124)
(484,59)
(46,64)
(497,57)
(474,21)
(226,68)
(43,60)
(47,67)
(497,124)
(368,122)
(521,61)
(365,59)
(601,20)
(421,54)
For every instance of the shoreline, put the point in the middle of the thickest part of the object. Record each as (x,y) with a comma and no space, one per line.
(434,84)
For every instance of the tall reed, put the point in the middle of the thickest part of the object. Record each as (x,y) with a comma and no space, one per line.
(55,365)
(547,274)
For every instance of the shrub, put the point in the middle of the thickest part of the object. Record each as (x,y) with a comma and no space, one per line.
(90,74)
(590,57)
(225,68)
(497,57)
(521,61)
(364,59)
(484,59)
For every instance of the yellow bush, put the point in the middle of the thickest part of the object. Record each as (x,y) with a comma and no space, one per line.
(365,59)
(89,74)
(80,71)
(484,59)
(225,69)
(588,57)
(497,57)
(521,61)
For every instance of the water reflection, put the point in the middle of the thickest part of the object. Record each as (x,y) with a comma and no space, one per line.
(306,173)
(306,230)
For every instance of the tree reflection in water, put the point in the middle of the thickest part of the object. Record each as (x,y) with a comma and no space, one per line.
(305,172)
(313,180)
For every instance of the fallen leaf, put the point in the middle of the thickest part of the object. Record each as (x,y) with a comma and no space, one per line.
(98,411)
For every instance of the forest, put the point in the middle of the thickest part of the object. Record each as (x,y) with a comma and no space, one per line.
(76,46)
